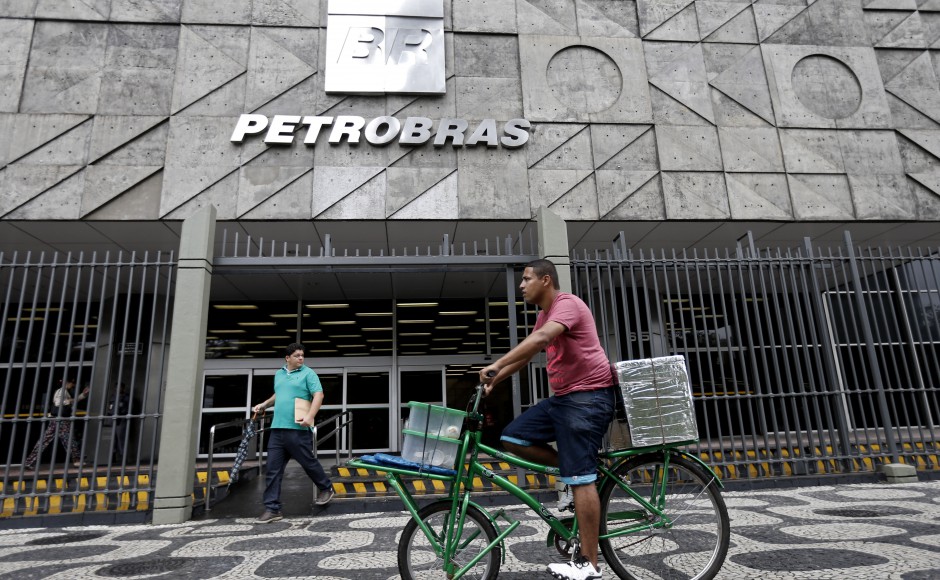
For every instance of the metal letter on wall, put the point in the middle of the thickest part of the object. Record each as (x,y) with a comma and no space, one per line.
(375,46)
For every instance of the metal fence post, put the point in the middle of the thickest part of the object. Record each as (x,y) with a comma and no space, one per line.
(874,365)
(825,332)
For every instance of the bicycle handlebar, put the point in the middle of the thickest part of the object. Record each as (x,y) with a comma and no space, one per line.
(478,394)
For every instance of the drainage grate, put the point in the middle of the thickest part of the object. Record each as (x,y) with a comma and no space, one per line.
(65,539)
(850,513)
(157,566)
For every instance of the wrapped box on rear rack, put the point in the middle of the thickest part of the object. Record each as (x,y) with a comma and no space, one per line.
(658,401)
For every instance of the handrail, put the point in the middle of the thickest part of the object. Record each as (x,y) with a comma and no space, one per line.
(348,431)
(345,417)
(213,444)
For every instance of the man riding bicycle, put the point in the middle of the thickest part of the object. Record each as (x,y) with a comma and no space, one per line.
(576,417)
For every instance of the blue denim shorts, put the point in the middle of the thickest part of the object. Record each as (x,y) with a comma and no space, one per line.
(577,422)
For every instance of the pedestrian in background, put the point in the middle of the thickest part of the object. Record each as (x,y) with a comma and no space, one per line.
(61,412)
(118,410)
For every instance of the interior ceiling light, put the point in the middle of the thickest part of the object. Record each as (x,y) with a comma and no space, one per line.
(261,351)
(248,342)
(227,331)
(377,329)
(415,322)
(378,340)
(283,316)
(451,327)
(336,322)
(256,324)
(327,305)
(235,306)
(238,356)
(416,304)
(273,337)
(414,334)
(43,309)
(373,314)
(458,313)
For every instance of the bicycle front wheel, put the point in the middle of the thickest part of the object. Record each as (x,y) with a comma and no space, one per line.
(417,559)
(689,543)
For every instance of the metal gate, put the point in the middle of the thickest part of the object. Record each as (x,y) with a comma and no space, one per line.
(803,361)
(96,326)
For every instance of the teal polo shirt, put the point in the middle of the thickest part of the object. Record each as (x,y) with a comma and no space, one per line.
(300,383)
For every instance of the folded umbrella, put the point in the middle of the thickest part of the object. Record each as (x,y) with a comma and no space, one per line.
(242,453)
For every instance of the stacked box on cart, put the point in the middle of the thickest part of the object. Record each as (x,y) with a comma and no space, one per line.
(657,398)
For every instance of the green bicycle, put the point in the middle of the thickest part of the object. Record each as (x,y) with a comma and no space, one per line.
(662,514)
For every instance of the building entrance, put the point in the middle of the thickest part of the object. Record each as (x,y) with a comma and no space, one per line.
(376,395)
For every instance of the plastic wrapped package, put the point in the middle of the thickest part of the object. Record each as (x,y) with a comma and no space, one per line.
(658,402)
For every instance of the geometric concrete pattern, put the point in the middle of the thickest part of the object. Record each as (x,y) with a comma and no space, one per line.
(784,110)
(865,532)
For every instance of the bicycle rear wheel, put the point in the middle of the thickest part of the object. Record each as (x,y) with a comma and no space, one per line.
(417,559)
(692,546)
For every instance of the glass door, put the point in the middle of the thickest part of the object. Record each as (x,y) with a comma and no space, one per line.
(225,397)
(367,395)
(423,384)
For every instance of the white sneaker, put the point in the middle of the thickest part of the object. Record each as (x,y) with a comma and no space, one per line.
(566,501)
(579,569)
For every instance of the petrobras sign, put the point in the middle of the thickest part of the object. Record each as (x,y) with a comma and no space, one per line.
(385,46)
(381,47)
(413,131)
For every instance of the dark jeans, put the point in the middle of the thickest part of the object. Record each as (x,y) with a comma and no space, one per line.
(283,445)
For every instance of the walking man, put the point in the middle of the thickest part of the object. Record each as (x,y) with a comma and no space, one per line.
(290,434)
(60,425)
(578,413)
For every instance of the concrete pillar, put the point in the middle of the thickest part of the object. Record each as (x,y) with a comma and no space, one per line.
(179,432)
(553,244)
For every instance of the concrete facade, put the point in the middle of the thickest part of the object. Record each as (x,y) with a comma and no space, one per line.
(646,110)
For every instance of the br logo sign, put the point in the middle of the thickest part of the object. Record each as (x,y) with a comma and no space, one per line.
(376,47)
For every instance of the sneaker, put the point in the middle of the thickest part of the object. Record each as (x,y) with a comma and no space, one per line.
(579,569)
(325,496)
(268,516)
(566,502)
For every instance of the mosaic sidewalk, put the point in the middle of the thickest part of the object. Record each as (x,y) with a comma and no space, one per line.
(859,532)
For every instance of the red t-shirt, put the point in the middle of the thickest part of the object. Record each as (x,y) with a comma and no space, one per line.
(576,361)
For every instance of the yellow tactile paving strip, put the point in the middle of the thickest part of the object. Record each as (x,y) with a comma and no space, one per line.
(104,494)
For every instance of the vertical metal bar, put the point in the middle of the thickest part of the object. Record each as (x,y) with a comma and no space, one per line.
(870,349)
(922,336)
(823,339)
(888,334)
(736,357)
(11,269)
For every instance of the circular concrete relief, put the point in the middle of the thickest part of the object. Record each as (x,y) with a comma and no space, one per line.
(826,86)
(585,79)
